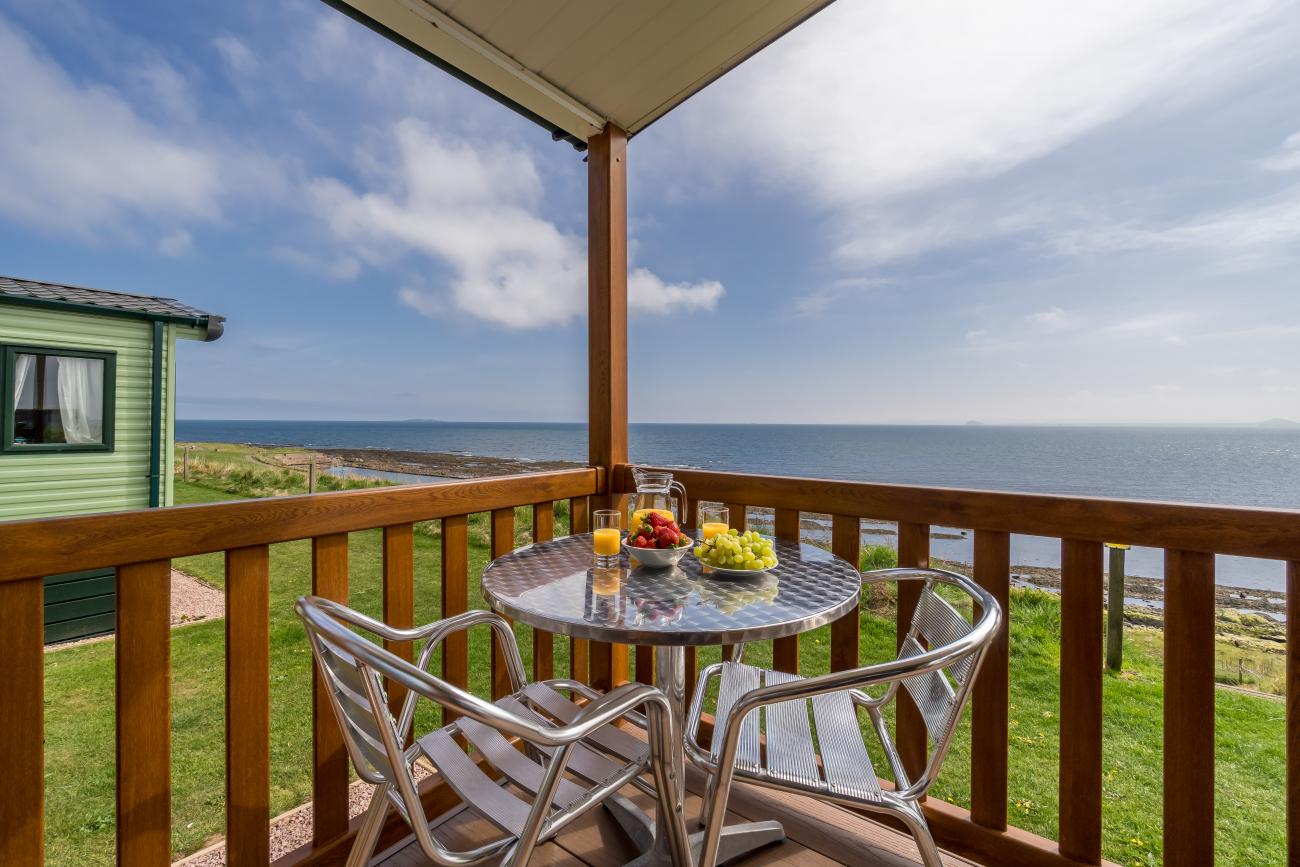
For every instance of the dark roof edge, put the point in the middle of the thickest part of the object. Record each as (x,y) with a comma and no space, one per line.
(557,133)
(212,324)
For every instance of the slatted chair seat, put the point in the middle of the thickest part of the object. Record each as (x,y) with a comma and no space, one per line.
(806,734)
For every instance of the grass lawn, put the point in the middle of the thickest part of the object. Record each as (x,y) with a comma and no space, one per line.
(79,717)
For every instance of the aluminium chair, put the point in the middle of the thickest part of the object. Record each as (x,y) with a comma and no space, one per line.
(574,758)
(937,664)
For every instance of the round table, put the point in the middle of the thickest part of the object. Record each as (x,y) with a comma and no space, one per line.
(556,586)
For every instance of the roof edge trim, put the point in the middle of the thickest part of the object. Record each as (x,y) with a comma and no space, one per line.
(571,121)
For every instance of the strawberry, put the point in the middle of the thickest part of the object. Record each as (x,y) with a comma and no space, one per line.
(672,525)
(666,537)
(656,520)
(640,542)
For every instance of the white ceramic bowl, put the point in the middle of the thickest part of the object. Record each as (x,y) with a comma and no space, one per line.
(657,558)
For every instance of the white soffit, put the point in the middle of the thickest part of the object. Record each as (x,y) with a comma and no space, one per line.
(573,65)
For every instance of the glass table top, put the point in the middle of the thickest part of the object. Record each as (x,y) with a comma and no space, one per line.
(557,586)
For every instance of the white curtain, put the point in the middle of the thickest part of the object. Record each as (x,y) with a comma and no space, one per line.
(22,369)
(81,399)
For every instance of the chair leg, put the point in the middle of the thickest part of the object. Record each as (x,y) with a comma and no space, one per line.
(368,834)
(915,821)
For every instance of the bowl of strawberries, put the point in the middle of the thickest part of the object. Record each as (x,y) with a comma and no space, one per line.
(657,542)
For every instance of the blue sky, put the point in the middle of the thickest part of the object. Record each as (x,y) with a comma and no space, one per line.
(903,212)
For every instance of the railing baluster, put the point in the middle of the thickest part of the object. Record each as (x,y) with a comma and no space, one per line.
(399,598)
(608,664)
(1292,713)
(143,675)
(1081,710)
(579,650)
(455,600)
(22,722)
(248,707)
(785,651)
(738,516)
(645,664)
(1189,708)
(910,737)
(503,542)
(846,543)
(543,641)
(991,693)
(329,781)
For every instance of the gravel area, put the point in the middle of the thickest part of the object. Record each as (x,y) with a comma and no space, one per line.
(194,600)
(291,830)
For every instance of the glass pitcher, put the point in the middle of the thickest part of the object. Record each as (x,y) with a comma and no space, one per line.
(656,492)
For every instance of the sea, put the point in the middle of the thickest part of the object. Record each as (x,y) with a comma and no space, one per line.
(1229,465)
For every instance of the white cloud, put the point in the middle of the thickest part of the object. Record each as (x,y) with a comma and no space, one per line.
(176,244)
(74,156)
(648,293)
(476,209)
(1251,226)
(1052,320)
(874,112)
(236,54)
(77,158)
(1288,157)
(868,100)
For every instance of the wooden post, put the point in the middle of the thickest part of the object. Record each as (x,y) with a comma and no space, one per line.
(22,723)
(1081,696)
(311,477)
(185,463)
(607,303)
(1189,707)
(607,340)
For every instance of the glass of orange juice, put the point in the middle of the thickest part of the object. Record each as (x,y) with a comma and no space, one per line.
(714,519)
(605,538)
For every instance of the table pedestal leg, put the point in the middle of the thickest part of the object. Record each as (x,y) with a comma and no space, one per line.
(737,840)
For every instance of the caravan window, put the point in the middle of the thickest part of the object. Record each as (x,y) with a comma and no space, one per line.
(57,399)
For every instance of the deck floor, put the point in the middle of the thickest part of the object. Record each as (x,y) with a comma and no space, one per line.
(817,835)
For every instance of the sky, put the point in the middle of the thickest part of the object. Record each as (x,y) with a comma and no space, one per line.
(903,212)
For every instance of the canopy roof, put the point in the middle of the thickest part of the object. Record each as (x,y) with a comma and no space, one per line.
(574,65)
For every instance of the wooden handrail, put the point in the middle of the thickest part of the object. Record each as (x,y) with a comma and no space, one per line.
(1272,534)
(51,546)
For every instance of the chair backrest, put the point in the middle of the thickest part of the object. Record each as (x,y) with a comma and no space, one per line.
(937,629)
(356,692)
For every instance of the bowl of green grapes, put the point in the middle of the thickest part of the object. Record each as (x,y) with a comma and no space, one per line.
(737,553)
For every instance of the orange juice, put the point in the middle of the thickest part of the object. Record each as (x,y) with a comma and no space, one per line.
(639,515)
(605,582)
(606,541)
(713,528)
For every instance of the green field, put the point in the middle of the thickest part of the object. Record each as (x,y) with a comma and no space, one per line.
(79,715)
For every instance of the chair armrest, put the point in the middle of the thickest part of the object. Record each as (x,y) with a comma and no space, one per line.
(611,706)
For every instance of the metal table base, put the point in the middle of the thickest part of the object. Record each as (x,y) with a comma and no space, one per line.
(737,840)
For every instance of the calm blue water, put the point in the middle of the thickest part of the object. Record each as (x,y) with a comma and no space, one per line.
(1230,465)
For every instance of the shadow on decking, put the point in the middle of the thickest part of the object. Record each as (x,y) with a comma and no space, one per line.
(817,835)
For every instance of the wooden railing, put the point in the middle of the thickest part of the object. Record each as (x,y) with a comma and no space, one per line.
(1190,534)
(141,545)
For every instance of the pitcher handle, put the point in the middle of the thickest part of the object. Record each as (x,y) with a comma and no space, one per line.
(680,490)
